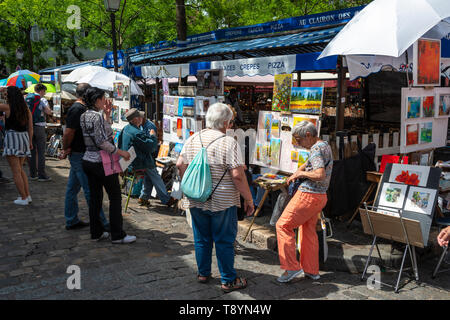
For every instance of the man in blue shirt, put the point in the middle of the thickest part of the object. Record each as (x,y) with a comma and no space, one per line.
(145,144)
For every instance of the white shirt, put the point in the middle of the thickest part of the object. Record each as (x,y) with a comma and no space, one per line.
(42,105)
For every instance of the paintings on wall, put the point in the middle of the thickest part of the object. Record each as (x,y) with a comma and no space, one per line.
(307,100)
(427,62)
(282,92)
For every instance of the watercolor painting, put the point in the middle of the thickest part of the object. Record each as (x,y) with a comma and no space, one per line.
(426,132)
(282,92)
(409,174)
(420,200)
(428,107)
(444,105)
(414,106)
(412,134)
(258,151)
(275,128)
(427,62)
(392,195)
(122,114)
(115,114)
(180,128)
(303,156)
(306,100)
(166,125)
(294,156)
(118,89)
(275,149)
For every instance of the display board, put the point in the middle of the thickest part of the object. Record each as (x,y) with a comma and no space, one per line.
(424,118)
(275,148)
(414,190)
(121,104)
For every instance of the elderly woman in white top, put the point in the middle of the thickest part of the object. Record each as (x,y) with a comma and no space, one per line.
(215,221)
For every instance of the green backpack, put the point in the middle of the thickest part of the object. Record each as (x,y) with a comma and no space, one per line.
(197,182)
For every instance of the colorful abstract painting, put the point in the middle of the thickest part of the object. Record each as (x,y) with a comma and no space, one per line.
(426,132)
(412,134)
(414,104)
(427,62)
(306,100)
(282,92)
(444,105)
(428,107)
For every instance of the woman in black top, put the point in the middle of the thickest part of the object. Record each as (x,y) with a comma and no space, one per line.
(17,146)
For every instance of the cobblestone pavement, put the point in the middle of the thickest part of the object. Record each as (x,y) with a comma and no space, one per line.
(36,250)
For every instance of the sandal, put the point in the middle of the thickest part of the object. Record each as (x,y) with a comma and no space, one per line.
(238,283)
(203,279)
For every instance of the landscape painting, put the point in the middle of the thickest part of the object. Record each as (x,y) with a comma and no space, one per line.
(281,92)
(392,195)
(426,132)
(306,100)
(420,200)
(412,134)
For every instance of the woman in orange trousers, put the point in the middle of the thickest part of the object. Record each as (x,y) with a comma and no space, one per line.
(304,208)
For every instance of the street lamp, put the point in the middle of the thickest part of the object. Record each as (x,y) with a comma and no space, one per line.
(113,6)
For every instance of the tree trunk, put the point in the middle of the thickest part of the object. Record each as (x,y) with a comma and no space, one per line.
(30,49)
(181,20)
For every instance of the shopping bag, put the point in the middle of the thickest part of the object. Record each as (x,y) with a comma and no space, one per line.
(110,162)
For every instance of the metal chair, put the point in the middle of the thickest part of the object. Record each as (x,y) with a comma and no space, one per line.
(441,222)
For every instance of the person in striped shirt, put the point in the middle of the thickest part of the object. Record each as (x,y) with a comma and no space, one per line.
(215,221)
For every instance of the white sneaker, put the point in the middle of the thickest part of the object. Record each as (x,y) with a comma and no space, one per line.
(127,239)
(312,276)
(21,202)
(28,199)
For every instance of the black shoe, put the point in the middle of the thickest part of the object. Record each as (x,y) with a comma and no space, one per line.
(171,202)
(78,225)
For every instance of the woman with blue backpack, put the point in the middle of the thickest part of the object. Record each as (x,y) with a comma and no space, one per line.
(213,179)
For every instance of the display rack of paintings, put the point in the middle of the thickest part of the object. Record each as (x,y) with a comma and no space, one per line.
(121,104)
(427,62)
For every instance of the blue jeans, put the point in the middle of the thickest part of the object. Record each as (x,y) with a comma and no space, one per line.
(77,179)
(152,178)
(219,228)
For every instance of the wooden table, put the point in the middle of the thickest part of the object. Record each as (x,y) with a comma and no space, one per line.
(268,186)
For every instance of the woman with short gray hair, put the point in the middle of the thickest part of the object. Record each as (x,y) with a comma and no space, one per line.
(304,208)
(215,221)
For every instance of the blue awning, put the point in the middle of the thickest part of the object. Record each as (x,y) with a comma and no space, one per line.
(136,58)
(71,66)
(285,41)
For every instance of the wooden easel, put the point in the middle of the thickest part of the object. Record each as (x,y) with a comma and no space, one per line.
(375,181)
(394,228)
(268,187)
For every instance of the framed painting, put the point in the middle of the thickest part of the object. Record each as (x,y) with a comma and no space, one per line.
(420,200)
(282,92)
(426,132)
(275,148)
(307,100)
(412,134)
(428,107)
(392,195)
(414,107)
(409,174)
(427,62)
(443,109)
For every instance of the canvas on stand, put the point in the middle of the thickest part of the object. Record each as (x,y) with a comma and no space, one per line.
(427,62)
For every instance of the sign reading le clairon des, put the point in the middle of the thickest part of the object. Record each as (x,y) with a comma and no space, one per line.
(256,66)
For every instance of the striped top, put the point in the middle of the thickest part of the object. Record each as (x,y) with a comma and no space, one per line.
(223,154)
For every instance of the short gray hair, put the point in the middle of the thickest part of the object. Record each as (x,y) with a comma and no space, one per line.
(217,114)
(303,127)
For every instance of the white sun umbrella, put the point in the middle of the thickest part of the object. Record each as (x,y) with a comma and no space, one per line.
(390,27)
(105,79)
(79,73)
